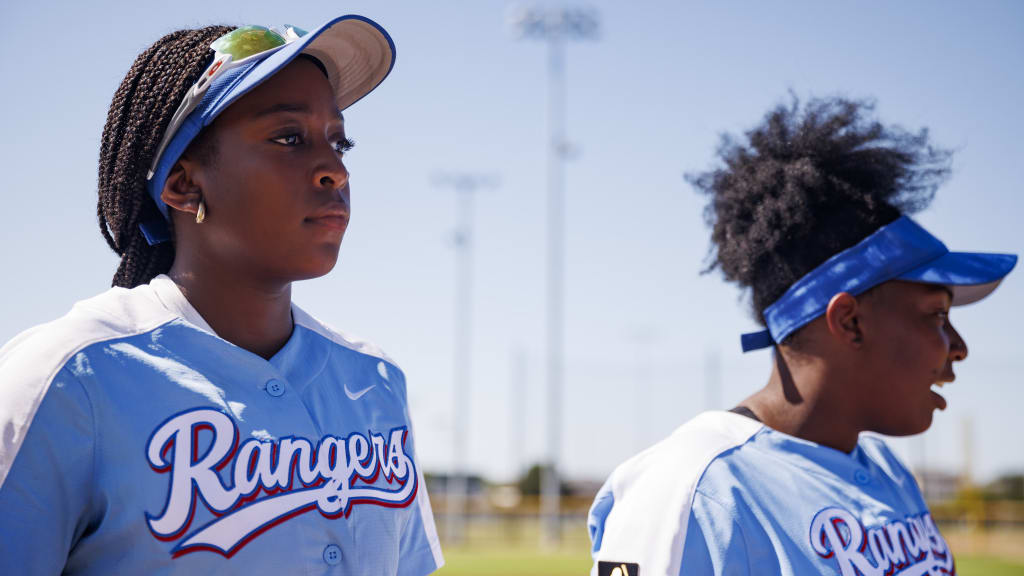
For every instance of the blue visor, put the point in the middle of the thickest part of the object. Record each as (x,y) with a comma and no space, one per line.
(901,250)
(355,51)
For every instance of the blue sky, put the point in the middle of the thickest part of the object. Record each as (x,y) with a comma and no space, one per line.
(648,101)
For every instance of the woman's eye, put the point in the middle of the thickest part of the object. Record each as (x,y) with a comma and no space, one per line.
(288,139)
(344,145)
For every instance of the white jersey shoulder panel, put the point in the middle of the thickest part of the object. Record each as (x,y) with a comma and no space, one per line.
(29,362)
(653,491)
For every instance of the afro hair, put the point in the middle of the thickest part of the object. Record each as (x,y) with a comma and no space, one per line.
(807,183)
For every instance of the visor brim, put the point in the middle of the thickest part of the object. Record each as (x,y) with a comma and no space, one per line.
(970,275)
(357,53)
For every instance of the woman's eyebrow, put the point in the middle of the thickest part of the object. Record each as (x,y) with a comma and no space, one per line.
(290,107)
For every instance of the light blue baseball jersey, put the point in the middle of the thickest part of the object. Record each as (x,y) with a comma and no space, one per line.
(133,440)
(725,494)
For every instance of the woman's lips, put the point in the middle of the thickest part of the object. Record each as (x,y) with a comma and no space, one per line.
(937,398)
(333,215)
(336,222)
(939,401)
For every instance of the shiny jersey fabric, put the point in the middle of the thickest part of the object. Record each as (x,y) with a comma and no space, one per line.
(725,494)
(135,441)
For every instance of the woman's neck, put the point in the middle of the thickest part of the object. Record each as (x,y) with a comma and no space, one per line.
(808,399)
(252,315)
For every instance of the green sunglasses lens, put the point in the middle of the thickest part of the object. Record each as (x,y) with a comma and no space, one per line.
(246,41)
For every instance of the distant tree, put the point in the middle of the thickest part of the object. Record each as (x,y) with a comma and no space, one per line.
(1006,487)
(530,482)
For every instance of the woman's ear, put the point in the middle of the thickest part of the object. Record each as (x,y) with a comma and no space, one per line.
(181,190)
(842,319)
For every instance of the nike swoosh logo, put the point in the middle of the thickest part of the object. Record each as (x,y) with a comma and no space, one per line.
(357,395)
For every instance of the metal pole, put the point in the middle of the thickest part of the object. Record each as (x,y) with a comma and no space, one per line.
(713,380)
(550,492)
(555,26)
(463,324)
(465,186)
(643,338)
(968,448)
(517,419)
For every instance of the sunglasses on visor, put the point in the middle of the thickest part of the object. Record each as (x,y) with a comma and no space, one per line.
(234,49)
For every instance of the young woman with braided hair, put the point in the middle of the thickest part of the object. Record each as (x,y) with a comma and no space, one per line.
(142,106)
(809,215)
(192,419)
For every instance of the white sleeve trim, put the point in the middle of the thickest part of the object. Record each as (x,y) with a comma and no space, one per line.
(653,492)
(427,517)
(31,360)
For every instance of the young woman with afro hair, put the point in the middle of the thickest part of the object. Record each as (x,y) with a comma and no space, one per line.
(809,215)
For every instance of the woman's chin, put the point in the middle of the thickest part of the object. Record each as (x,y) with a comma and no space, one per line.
(319,263)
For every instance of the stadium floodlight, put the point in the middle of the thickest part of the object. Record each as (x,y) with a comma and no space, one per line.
(555,26)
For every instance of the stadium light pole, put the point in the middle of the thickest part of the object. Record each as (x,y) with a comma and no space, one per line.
(555,26)
(465,186)
(712,379)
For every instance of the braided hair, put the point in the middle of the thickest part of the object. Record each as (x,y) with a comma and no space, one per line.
(139,114)
(807,183)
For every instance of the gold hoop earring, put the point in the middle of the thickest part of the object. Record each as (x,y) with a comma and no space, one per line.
(201,212)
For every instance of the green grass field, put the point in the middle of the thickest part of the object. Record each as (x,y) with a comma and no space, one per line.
(513,549)
(464,562)
(981,566)
(525,562)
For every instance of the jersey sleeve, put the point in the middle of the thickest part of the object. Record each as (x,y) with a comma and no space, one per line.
(642,514)
(598,514)
(715,543)
(46,493)
(419,546)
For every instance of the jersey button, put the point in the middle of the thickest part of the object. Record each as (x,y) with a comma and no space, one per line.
(332,555)
(861,477)
(275,388)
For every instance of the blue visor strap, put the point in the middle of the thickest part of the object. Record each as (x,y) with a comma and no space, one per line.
(756,340)
(155,231)
(890,251)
